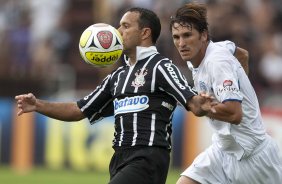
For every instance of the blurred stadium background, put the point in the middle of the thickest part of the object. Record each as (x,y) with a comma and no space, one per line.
(39,54)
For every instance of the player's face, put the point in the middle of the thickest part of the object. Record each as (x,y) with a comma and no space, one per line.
(189,42)
(130,32)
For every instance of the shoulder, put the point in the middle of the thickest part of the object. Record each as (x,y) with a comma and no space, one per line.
(219,57)
(219,54)
(166,64)
(117,71)
(229,45)
(160,58)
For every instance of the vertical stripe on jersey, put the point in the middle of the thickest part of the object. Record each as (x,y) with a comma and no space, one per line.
(127,78)
(153,128)
(168,136)
(134,129)
(153,82)
(171,83)
(168,125)
(116,83)
(97,94)
(122,131)
(143,68)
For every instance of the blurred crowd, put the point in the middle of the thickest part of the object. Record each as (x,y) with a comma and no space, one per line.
(39,41)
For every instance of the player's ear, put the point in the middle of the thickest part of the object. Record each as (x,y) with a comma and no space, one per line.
(204,35)
(146,33)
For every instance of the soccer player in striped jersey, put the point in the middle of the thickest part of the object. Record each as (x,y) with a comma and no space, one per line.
(241,151)
(144,94)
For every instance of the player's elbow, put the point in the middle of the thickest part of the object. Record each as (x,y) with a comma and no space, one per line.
(74,113)
(242,54)
(245,54)
(246,58)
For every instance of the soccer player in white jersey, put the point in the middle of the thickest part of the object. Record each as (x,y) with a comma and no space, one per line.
(241,151)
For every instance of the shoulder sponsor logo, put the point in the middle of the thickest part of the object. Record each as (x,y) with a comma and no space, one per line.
(227,86)
(227,83)
(172,73)
(131,104)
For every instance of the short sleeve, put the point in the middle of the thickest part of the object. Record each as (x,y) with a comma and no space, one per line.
(225,82)
(93,104)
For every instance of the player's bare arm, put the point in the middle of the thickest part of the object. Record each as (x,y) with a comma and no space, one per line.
(229,111)
(57,110)
(243,57)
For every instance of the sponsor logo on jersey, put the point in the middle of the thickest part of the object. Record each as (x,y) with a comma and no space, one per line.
(167,105)
(227,86)
(140,78)
(174,76)
(203,87)
(227,83)
(131,104)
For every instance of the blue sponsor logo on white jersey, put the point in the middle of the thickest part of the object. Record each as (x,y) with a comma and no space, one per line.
(131,104)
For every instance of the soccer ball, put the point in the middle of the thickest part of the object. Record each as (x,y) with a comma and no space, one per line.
(100,45)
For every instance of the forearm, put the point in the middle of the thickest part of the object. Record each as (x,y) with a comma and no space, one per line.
(224,113)
(60,111)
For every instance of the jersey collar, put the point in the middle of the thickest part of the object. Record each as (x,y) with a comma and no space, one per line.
(142,53)
(208,51)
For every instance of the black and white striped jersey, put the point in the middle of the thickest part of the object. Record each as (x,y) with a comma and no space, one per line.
(142,98)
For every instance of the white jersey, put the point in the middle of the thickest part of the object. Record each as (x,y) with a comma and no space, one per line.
(241,153)
(221,75)
(226,44)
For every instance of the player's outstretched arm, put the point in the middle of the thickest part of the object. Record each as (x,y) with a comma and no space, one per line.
(61,111)
(243,57)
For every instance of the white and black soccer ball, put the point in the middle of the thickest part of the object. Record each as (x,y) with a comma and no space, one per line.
(100,45)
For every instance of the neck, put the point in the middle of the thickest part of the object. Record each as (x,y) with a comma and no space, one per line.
(131,54)
(200,56)
(132,59)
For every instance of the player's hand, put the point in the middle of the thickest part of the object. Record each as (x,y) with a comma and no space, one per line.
(202,104)
(26,103)
(209,102)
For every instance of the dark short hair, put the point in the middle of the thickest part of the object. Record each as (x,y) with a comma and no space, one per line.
(148,19)
(191,15)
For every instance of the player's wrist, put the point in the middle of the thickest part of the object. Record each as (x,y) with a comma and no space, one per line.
(196,105)
(38,104)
